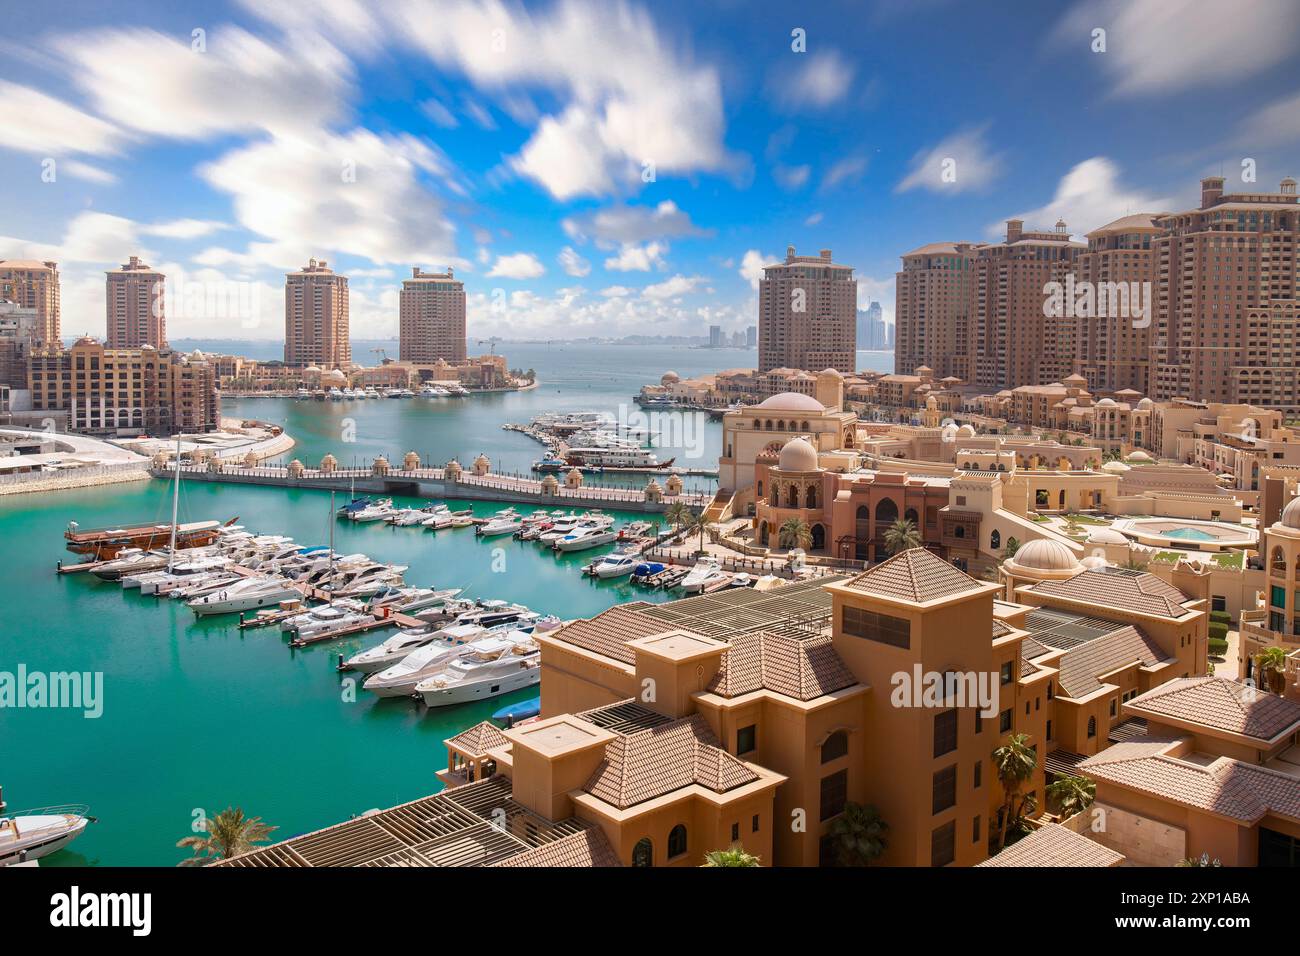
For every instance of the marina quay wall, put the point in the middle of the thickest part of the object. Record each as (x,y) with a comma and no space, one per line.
(433,483)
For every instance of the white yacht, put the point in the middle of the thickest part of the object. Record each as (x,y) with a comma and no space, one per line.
(489,667)
(327,613)
(439,518)
(401,645)
(32,834)
(399,679)
(130,561)
(498,526)
(586,536)
(181,572)
(247,595)
(617,456)
(328,618)
(616,565)
(562,526)
(374,512)
(706,572)
(411,600)
(405,517)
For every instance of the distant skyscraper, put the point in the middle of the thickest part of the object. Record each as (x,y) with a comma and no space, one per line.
(34,284)
(873,332)
(751,336)
(932,309)
(715,336)
(1112,351)
(133,299)
(316,330)
(432,318)
(806,314)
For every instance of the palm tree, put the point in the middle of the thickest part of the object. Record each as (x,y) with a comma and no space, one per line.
(902,536)
(1271,664)
(1071,794)
(1202,860)
(734,855)
(229,833)
(696,522)
(1014,764)
(677,513)
(795,533)
(1010,548)
(859,835)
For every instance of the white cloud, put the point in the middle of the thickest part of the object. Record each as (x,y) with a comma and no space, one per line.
(357,193)
(1088,196)
(791,177)
(91,237)
(439,114)
(972,165)
(94,174)
(479,113)
(814,219)
(520,265)
(812,80)
(572,263)
(672,288)
(631,98)
(1166,46)
(184,228)
(751,266)
(847,170)
(154,83)
(638,258)
(617,291)
(620,225)
(1274,124)
(41,124)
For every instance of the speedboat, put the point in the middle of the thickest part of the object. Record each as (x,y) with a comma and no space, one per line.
(130,561)
(374,512)
(513,713)
(32,834)
(438,518)
(399,680)
(247,595)
(706,573)
(562,526)
(497,526)
(647,569)
(488,668)
(586,536)
(411,600)
(353,506)
(329,614)
(332,619)
(616,565)
(405,517)
(401,645)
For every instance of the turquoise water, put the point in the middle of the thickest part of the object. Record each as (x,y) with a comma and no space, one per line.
(199,716)
(1189,534)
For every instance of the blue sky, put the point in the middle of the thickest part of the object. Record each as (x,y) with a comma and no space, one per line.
(593,168)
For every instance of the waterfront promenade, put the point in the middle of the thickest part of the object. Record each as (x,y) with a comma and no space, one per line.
(422,482)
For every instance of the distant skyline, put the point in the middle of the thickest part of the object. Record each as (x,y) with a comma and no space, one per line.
(598,169)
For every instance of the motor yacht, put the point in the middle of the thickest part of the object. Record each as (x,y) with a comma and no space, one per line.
(374,512)
(405,517)
(247,595)
(616,565)
(586,536)
(561,526)
(329,618)
(489,667)
(329,613)
(706,573)
(411,600)
(439,518)
(401,645)
(498,526)
(399,680)
(33,834)
(130,561)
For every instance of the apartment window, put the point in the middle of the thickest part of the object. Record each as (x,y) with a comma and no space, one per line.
(754,824)
(1049,730)
(746,739)
(1092,727)
(979,774)
(979,722)
(735,832)
(1005,673)
(834,794)
(942,844)
(1114,706)
(1050,692)
(643,854)
(836,746)
(975,831)
(882,628)
(1004,721)
(945,732)
(943,789)
(677,841)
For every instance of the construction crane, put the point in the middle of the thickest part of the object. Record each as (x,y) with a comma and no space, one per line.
(382,353)
(491,343)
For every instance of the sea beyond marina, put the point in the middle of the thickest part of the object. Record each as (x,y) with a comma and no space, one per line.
(198,715)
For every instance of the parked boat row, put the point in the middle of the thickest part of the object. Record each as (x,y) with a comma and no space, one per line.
(428,390)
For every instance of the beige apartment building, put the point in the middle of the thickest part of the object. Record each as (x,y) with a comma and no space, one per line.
(432,318)
(1225,299)
(110,391)
(932,305)
(134,300)
(34,285)
(807,314)
(316,328)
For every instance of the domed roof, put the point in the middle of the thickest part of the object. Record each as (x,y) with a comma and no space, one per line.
(669,376)
(931,402)
(1094,561)
(1145,403)
(1106,403)
(1291,515)
(1106,536)
(1115,467)
(312,368)
(966,431)
(798,455)
(791,402)
(1138,455)
(1044,555)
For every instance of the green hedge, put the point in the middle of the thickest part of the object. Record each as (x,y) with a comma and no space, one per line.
(1221,617)
(1218,632)
(1218,647)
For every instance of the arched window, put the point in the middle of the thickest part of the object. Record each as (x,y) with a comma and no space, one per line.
(776,495)
(1092,727)
(810,497)
(643,854)
(769,424)
(835,746)
(780,424)
(886,513)
(959,531)
(1279,561)
(792,497)
(818,537)
(677,841)
(805,427)
(760,490)
(995,540)
(911,515)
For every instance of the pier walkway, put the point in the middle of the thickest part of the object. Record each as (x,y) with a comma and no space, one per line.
(435,483)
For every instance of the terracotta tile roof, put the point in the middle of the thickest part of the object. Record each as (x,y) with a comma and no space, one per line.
(1054,845)
(1081,668)
(1221,704)
(1125,590)
(1227,787)
(586,848)
(650,763)
(915,576)
(802,669)
(608,632)
(478,740)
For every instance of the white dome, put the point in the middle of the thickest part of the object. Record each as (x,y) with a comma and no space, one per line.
(1094,561)
(1139,455)
(966,431)
(1291,515)
(1145,403)
(792,402)
(1115,467)
(669,377)
(1044,555)
(798,455)
(1106,403)
(1106,536)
